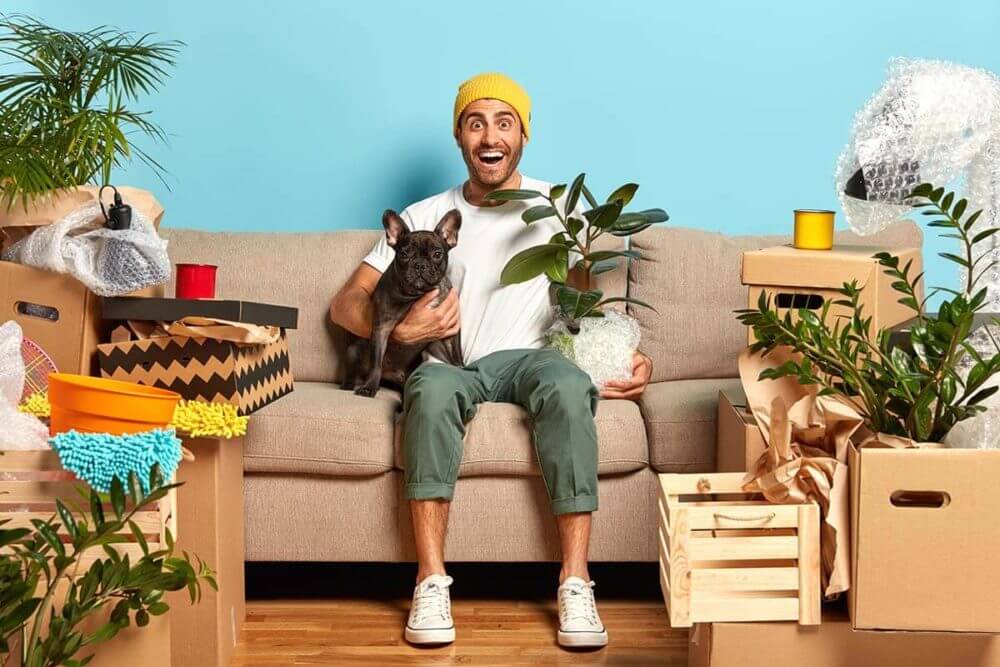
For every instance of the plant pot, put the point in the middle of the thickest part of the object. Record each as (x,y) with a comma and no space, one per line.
(99,405)
(603,347)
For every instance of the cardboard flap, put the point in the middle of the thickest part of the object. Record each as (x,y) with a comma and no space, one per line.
(788,266)
(45,211)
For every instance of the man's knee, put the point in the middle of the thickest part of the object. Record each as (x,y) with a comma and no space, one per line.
(434,390)
(565,388)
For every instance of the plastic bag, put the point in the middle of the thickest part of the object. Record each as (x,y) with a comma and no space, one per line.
(17,430)
(110,262)
(603,348)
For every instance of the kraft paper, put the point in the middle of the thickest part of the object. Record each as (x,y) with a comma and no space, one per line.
(206,327)
(808,438)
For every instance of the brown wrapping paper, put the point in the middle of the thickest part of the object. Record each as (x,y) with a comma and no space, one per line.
(808,438)
(206,327)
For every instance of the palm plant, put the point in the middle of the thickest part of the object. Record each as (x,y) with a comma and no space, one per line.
(65,118)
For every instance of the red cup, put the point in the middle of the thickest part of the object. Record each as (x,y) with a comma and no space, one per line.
(196,281)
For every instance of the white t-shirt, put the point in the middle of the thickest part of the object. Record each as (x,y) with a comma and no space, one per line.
(493,317)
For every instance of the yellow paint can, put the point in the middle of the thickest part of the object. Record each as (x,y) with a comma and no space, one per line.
(813,229)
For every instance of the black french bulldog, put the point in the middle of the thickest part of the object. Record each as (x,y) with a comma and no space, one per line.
(420,265)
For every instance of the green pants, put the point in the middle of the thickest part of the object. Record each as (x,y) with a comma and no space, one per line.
(439,400)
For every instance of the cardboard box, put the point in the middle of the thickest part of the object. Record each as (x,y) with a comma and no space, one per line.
(133,308)
(834,644)
(210,509)
(247,376)
(795,279)
(925,532)
(56,311)
(739,441)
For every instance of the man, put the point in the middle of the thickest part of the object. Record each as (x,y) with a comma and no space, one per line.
(502,337)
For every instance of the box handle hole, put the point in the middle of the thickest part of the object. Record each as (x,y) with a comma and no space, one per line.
(926,499)
(797,301)
(37,310)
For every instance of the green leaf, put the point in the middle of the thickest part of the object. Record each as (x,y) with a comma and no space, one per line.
(972,220)
(575,226)
(536,213)
(603,266)
(557,191)
(117,497)
(574,303)
(559,269)
(530,263)
(67,519)
(158,608)
(935,196)
(623,194)
(512,195)
(946,202)
(954,258)
(605,215)
(589,197)
(959,209)
(574,195)
(600,255)
(96,510)
(985,234)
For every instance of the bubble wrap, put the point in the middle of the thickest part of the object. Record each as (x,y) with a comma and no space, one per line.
(17,429)
(603,348)
(981,431)
(110,262)
(928,123)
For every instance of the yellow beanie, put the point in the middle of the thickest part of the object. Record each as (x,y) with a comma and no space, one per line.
(495,86)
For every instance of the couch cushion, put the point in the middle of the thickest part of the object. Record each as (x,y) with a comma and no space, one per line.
(320,428)
(680,423)
(498,441)
(301,270)
(692,278)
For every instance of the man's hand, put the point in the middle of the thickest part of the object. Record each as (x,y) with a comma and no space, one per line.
(642,369)
(423,322)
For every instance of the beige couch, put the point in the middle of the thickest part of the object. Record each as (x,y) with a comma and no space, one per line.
(323,479)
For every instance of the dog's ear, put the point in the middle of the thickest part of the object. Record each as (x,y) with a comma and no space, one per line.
(395,228)
(449,226)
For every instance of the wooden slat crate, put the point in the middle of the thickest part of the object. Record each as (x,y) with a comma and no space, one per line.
(30,483)
(735,558)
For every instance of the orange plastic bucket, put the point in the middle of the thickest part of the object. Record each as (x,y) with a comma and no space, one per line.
(99,405)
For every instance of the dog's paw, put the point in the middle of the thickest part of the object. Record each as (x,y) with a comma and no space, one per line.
(368,390)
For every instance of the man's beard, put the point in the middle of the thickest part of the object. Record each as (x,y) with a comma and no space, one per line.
(489,174)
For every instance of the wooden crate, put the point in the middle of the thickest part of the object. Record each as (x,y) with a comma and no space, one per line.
(736,557)
(30,483)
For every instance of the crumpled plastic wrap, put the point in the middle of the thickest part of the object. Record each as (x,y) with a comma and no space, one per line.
(930,122)
(110,262)
(603,348)
(18,431)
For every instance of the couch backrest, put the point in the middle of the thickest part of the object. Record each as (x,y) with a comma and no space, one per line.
(303,270)
(692,278)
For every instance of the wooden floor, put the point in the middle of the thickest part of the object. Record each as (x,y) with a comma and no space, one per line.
(494,626)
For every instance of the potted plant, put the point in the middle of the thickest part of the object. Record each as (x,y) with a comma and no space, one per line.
(41,577)
(919,389)
(599,339)
(67,120)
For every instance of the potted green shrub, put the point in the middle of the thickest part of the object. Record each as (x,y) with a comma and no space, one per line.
(67,119)
(599,339)
(919,389)
(35,565)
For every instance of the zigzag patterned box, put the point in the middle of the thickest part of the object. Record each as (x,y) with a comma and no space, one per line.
(205,369)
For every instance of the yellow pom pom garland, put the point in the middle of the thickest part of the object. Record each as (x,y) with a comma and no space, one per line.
(208,420)
(37,405)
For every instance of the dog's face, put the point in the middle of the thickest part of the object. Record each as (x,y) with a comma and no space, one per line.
(421,257)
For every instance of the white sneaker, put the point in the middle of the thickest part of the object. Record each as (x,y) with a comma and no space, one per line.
(580,625)
(430,619)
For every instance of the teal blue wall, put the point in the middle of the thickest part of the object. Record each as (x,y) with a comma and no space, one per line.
(308,115)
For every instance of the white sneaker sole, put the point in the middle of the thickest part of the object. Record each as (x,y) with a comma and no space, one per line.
(436,636)
(583,639)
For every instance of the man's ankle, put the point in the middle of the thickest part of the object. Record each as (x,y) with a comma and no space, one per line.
(430,570)
(568,571)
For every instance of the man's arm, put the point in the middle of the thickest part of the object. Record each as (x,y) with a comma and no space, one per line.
(352,306)
(352,310)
